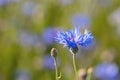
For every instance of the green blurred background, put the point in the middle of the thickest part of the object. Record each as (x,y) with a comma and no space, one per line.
(27,28)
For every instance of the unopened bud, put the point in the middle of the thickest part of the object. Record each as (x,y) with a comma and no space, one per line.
(90,70)
(82,74)
(54,52)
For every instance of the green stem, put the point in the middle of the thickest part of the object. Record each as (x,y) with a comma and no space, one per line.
(74,64)
(88,77)
(56,70)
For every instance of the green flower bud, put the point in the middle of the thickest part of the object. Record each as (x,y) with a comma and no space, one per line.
(53,52)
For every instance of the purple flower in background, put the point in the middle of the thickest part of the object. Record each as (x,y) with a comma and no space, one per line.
(28,8)
(48,62)
(104,3)
(48,35)
(106,71)
(114,19)
(80,20)
(72,38)
(65,2)
(27,39)
(22,75)
(4,2)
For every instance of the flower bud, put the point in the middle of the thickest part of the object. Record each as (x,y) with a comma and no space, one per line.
(53,52)
(90,70)
(82,74)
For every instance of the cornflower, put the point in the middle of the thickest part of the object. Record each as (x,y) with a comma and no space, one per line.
(74,38)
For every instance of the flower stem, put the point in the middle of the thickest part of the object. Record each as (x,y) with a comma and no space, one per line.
(74,64)
(56,70)
(88,77)
(89,74)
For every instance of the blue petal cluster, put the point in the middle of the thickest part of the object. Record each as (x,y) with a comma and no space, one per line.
(72,38)
(81,20)
(106,71)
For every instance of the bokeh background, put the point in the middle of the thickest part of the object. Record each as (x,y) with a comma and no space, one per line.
(27,28)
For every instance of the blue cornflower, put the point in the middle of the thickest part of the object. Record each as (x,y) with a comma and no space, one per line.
(48,62)
(50,32)
(72,38)
(4,2)
(106,71)
(81,20)
(22,74)
(28,8)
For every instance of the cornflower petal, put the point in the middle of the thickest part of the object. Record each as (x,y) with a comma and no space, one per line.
(85,39)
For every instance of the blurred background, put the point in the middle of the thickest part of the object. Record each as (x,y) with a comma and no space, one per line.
(27,28)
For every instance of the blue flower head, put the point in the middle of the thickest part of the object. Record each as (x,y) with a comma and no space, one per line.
(22,74)
(106,71)
(48,62)
(73,38)
(50,32)
(81,20)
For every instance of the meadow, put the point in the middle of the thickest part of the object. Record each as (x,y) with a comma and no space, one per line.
(28,32)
